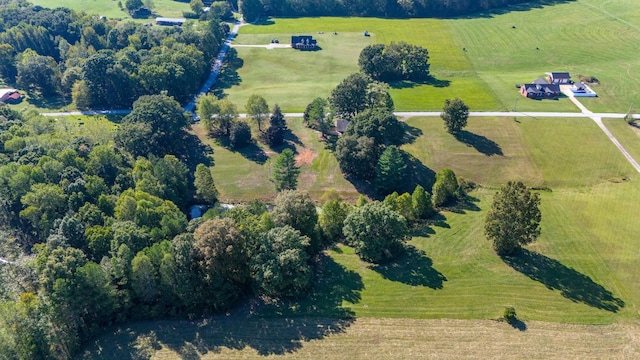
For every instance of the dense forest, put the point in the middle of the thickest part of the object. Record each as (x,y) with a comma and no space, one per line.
(381,8)
(102,63)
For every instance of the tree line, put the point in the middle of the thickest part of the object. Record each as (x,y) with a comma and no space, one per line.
(380,8)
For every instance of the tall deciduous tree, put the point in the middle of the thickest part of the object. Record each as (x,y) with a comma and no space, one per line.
(296,209)
(216,115)
(257,109)
(350,96)
(357,156)
(250,9)
(280,265)
(205,187)
(285,172)
(156,125)
(376,232)
(455,114)
(331,220)
(315,115)
(514,218)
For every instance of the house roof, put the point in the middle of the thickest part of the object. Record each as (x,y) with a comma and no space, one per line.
(171,20)
(341,125)
(559,75)
(540,81)
(540,88)
(15,96)
(5,93)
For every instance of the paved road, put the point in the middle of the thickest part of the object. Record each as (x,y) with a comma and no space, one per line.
(597,118)
(217,66)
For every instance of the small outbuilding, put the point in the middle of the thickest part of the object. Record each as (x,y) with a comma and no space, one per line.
(559,78)
(170,21)
(304,42)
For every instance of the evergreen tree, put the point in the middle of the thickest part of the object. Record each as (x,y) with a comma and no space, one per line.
(277,127)
(285,172)
(391,171)
(205,187)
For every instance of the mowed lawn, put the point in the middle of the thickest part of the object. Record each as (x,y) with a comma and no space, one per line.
(242,176)
(588,37)
(293,78)
(109,8)
(479,59)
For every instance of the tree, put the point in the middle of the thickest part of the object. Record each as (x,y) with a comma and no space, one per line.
(445,188)
(514,218)
(250,9)
(216,115)
(205,187)
(331,220)
(277,127)
(315,115)
(280,265)
(257,109)
(38,74)
(455,114)
(133,4)
(390,171)
(350,96)
(376,232)
(422,208)
(379,124)
(357,156)
(197,6)
(240,135)
(156,125)
(296,209)
(378,62)
(285,172)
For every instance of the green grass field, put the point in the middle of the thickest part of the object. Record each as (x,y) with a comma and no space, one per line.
(479,59)
(109,8)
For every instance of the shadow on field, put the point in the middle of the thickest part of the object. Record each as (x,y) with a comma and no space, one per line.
(250,152)
(528,6)
(195,152)
(51,102)
(432,81)
(518,324)
(480,143)
(413,268)
(270,327)
(410,133)
(461,206)
(419,173)
(573,285)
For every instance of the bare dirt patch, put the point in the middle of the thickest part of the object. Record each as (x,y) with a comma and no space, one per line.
(305,157)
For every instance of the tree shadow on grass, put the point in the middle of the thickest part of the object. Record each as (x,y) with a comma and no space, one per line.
(51,102)
(461,206)
(194,152)
(270,327)
(418,173)
(250,151)
(539,4)
(573,285)
(413,268)
(411,133)
(480,143)
(431,81)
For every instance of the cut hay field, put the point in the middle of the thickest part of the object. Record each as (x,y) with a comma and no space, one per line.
(479,59)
